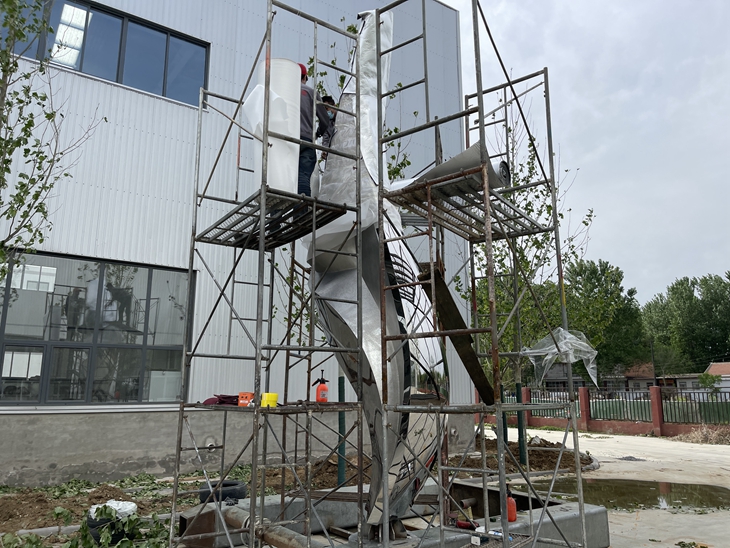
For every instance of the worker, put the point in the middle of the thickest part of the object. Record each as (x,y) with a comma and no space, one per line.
(330,133)
(307,155)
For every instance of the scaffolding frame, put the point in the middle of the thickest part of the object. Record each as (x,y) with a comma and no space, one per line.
(262,223)
(455,203)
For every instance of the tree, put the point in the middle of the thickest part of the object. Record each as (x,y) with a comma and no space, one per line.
(531,257)
(692,320)
(33,157)
(608,315)
(710,382)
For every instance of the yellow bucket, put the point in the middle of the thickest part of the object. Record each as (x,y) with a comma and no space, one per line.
(269,399)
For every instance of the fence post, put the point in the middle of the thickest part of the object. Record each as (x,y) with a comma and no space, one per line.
(657,412)
(527,398)
(584,403)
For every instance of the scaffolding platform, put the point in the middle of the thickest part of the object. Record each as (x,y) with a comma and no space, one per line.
(457,203)
(288,218)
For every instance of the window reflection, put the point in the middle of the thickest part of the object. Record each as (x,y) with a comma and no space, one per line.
(123,305)
(69,34)
(116,377)
(69,371)
(91,323)
(168,307)
(21,373)
(163,378)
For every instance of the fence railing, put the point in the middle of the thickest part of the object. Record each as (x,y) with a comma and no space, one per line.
(695,406)
(620,405)
(551,396)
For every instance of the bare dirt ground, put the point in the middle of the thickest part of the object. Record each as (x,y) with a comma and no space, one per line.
(34,508)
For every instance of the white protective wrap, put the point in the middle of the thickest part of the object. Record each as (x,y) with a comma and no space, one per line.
(573,347)
(284,97)
(339,181)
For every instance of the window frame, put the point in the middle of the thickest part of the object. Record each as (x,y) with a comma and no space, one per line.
(95,345)
(44,47)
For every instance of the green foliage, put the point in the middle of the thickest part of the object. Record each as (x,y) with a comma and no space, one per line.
(24,541)
(690,323)
(710,382)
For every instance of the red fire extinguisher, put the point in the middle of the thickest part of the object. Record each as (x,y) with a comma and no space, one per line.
(322,390)
(511,507)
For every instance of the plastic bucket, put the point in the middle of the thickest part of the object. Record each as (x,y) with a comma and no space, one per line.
(269,399)
(245,399)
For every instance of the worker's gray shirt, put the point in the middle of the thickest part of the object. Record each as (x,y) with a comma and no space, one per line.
(305,108)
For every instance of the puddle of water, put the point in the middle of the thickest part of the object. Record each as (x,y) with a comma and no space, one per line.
(630,495)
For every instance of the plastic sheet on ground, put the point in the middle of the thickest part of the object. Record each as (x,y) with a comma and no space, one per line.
(573,347)
(122,507)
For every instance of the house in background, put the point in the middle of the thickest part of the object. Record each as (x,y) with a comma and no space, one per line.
(722,369)
(639,377)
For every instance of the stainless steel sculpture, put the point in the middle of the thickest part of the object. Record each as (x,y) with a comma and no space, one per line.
(411,442)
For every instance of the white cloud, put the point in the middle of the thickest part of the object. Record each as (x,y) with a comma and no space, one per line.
(640,103)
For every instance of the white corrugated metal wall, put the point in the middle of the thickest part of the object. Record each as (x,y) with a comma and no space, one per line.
(131,195)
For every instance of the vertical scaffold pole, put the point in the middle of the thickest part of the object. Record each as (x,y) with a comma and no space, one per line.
(564,311)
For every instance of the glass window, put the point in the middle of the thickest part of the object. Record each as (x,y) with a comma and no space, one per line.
(68,21)
(144,58)
(168,307)
(185,70)
(163,377)
(91,323)
(124,304)
(116,376)
(101,52)
(48,299)
(69,371)
(21,373)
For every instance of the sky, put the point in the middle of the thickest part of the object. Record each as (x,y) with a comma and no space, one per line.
(640,103)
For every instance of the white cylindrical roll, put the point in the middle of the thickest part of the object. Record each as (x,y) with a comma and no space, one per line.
(284,96)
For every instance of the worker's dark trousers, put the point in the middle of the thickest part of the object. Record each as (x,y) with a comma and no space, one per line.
(307,161)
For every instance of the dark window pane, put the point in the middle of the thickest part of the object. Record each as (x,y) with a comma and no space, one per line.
(101,52)
(116,375)
(69,371)
(163,376)
(144,58)
(168,307)
(124,304)
(185,70)
(68,21)
(21,373)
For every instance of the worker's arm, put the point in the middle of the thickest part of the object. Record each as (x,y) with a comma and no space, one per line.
(324,120)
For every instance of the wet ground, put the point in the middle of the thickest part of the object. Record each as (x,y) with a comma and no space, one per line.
(647,459)
(630,495)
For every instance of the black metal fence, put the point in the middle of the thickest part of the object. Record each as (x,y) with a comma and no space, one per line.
(632,405)
(551,396)
(695,406)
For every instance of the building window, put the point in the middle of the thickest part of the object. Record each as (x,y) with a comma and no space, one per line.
(115,46)
(695,384)
(84,331)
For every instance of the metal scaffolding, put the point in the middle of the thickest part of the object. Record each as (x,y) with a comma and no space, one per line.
(464,203)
